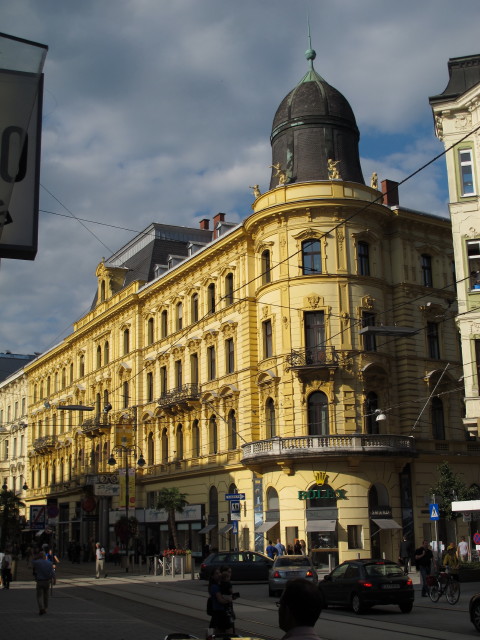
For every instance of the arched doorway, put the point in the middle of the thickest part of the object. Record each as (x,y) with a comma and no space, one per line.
(382,525)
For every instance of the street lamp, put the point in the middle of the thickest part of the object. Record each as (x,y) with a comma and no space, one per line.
(126,451)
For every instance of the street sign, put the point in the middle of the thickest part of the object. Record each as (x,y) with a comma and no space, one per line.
(235,510)
(38,516)
(235,496)
(434,512)
(234,527)
(476,538)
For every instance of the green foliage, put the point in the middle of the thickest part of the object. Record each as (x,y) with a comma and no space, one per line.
(172,500)
(10,506)
(451,487)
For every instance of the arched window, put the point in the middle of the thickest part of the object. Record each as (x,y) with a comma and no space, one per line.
(105,399)
(229,289)
(179,442)
(164,446)
(126,342)
(211,298)
(150,449)
(164,324)
(371,405)
(232,430)
(106,353)
(195,439)
(318,414)
(273,503)
(213,435)
(213,505)
(35,393)
(99,357)
(179,317)
(438,419)
(271,429)
(71,373)
(48,386)
(266,267)
(64,378)
(194,307)
(311,263)
(149,386)
(150,331)
(125,394)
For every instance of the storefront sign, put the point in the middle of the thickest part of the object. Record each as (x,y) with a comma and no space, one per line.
(321,477)
(319,494)
(381,512)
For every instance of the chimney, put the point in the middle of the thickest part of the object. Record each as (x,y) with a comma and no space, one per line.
(204,223)
(219,217)
(390,193)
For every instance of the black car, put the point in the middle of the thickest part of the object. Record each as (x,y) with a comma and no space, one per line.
(474,608)
(245,565)
(361,584)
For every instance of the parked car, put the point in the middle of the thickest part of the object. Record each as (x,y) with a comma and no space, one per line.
(361,584)
(245,565)
(474,608)
(287,567)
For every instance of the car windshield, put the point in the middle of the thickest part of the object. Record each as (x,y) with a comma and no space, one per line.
(384,569)
(292,562)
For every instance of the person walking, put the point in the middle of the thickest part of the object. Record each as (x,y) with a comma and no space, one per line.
(298,610)
(463,550)
(271,550)
(219,606)
(6,569)
(404,554)
(43,573)
(280,548)
(99,561)
(423,560)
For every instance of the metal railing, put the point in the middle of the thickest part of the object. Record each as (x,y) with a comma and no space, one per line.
(179,394)
(312,357)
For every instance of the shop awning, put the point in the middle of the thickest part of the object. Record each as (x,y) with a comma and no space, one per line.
(226,528)
(207,528)
(321,525)
(386,523)
(265,526)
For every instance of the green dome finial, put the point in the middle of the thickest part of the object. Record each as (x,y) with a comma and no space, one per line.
(310,53)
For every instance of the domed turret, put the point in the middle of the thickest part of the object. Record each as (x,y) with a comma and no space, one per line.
(314,123)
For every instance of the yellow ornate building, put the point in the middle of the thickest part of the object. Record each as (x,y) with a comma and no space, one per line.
(305,360)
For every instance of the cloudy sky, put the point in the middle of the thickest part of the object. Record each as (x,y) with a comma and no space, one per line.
(161,110)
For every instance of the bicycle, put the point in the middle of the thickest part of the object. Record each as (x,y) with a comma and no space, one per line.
(444,583)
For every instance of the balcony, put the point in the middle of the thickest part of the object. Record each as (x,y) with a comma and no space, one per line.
(312,358)
(179,396)
(276,449)
(45,444)
(96,426)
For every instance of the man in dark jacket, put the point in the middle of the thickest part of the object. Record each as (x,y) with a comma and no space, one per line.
(423,560)
(43,572)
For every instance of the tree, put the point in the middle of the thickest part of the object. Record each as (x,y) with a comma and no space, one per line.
(10,506)
(172,500)
(451,487)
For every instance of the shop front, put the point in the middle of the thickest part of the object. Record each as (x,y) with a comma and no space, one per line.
(321,516)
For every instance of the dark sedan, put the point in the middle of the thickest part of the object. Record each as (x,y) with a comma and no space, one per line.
(361,584)
(474,609)
(245,565)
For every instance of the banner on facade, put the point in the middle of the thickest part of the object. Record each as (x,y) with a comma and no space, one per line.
(122,476)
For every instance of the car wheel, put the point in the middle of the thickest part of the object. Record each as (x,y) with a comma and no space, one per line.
(475,615)
(357,605)
(406,607)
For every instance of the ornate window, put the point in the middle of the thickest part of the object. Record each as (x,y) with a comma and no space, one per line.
(318,414)
(179,317)
(164,324)
(194,307)
(179,453)
(164,446)
(150,449)
(369,339)
(211,298)
(194,368)
(433,341)
(149,386)
(266,267)
(213,435)
(229,356)
(311,262)
(232,430)
(211,363)
(125,394)
(427,279)
(267,339)
(106,353)
(195,439)
(270,421)
(363,257)
(150,331)
(370,407)
(126,342)
(99,357)
(229,289)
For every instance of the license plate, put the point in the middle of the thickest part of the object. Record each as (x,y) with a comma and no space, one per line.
(292,574)
(390,586)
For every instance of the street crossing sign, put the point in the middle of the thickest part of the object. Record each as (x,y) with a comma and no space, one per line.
(434,512)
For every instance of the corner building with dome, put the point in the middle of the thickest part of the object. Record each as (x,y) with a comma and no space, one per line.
(305,360)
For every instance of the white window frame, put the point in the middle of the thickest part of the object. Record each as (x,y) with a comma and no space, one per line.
(466,163)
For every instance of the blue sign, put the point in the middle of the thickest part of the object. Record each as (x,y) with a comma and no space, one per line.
(235,527)
(434,512)
(235,496)
(234,506)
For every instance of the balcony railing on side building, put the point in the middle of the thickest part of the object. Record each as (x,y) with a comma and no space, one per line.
(179,395)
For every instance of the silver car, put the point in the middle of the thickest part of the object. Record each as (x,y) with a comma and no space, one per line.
(287,567)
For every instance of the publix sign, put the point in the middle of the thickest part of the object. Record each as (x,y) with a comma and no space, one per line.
(319,494)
